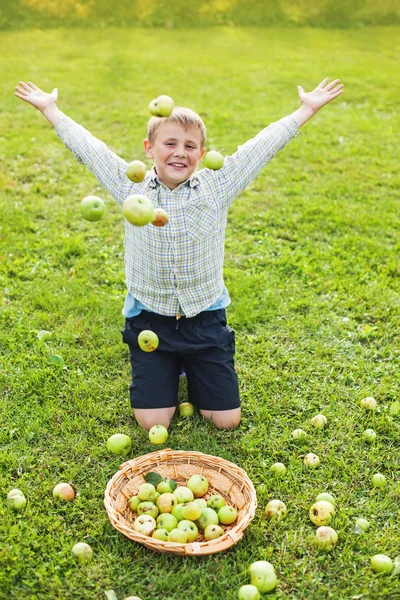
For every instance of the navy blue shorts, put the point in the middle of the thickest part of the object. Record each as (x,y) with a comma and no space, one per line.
(203,345)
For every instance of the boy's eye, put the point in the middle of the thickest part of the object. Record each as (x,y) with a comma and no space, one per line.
(191,147)
(170,143)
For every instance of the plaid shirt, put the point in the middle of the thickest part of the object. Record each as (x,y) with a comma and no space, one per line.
(179,267)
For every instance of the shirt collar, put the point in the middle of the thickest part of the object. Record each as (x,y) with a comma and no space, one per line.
(193,181)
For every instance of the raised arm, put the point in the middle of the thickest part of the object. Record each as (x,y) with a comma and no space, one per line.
(311,102)
(46,103)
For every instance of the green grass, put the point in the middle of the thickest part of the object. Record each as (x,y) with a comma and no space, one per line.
(312,265)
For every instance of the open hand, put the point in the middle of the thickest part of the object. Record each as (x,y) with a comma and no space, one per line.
(29,92)
(323,93)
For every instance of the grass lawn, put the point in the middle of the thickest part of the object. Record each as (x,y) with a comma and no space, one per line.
(312,266)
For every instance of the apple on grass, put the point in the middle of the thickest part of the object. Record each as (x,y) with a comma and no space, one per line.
(275,510)
(158,434)
(162,106)
(326,497)
(369,435)
(92,208)
(361,525)
(368,403)
(249,592)
(319,421)
(136,171)
(198,485)
(214,160)
(63,491)
(189,528)
(160,217)
(278,468)
(148,340)
(379,480)
(144,524)
(119,444)
(381,563)
(16,499)
(311,460)
(263,576)
(299,434)
(321,513)
(186,409)
(138,210)
(82,552)
(213,532)
(326,538)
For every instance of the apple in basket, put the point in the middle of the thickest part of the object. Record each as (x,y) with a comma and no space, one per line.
(212,532)
(189,528)
(179,536)
(227,515)
(208,517)
(167,521)
(191,511)
(198,484)
(144,524)
(216,502)
(183,494)
(166,502)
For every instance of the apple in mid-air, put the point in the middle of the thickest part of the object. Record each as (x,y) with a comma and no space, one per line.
(208,517)
(369,403)
(148,340)
(158,434)
(327,497)
(119,444)
(198,485)
(92,208)
(311,460)
(212,532)
(82,552)
(381,563)
(227,515)
(138,210)
(160,217)
(321,513)
(190,528)
(214,160)
(326,538)
(319,421)
(278,468)
(379,480)
(275,510)
(136,171)
(186,409)
(63,491)
(263,576)
(161,106)
(183,494)
(249,592)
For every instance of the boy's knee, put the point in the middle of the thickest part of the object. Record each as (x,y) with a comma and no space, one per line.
(147,417)
(223,419)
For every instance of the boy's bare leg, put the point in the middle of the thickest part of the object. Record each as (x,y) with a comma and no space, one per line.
(223,419)
(147,417)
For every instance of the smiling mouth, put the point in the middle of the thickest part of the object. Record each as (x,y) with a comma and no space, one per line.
(177,165)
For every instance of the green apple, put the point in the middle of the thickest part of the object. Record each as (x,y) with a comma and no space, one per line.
(183,494)
(136,171)
(179,536)
(198,484)
(327,497)
(186,409)
(16,499)
(177,512)
(191,511)
(166,502)
(216,502)
(361,525)
(134,503)
(227,515)
(82,552)
(201,502)
(161,106)
(299,434)
(147,508)
(369,435)
(208,517)
(167,521)
(166,486)
(214,160)
(138,210)
(249,592)
(160,217)
(311,460)
(278,468)
(132,598)
(379,480)
(368,403)
(92,208)
(119,444)
(275,510)
(63,491)
(158,434)
(144,524)
(326,538)
(212,532)
(148,340)
(321,513)
(263,576)
(190,528)
(394,407)
(147,492)
(160,534)
(319,421)
(380,563)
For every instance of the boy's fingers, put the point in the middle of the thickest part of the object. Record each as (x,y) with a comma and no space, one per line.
(33,86)
(25,86)
(324,82)
(21,90)
(332,84)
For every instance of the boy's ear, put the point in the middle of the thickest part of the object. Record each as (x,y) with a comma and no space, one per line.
(148,149)
(202,153)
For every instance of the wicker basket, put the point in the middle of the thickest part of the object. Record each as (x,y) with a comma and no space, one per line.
(224,478)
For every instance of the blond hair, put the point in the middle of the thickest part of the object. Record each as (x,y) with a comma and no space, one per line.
(184,116)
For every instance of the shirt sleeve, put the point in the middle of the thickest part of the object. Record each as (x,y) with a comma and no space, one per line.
(108,168)
(246,163)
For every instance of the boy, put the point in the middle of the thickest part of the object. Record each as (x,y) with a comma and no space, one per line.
(174,273)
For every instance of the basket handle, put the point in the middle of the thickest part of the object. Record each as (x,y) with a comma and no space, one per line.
(217,545)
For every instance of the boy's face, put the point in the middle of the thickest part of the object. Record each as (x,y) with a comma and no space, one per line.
(176,152)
